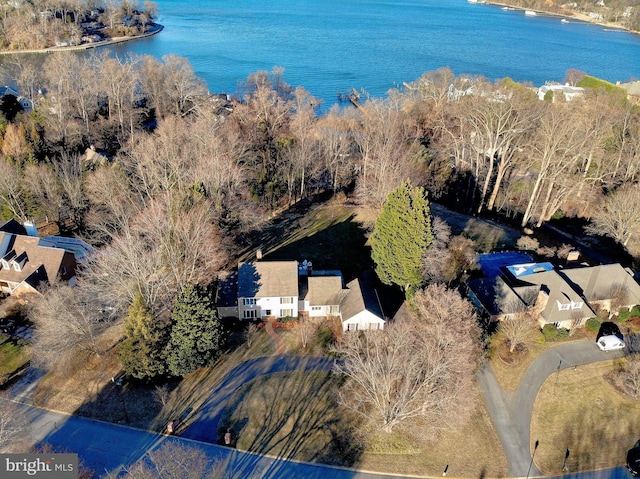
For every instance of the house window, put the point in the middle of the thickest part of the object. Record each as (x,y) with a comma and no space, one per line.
(286,312)
(250,313)
(249,301)
(286,300)
(563,307)
(316,308)
(267,312)
(576,305)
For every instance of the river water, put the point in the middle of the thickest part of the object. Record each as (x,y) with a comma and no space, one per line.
(331,46)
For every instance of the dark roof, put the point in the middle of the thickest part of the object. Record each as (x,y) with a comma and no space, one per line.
(13,227)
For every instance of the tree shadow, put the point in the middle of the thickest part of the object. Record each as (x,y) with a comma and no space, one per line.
(293,416)
(248,280)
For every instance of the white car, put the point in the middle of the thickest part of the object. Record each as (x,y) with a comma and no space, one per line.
(610,343)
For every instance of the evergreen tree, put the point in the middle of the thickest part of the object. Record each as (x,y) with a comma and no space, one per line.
(401,235)
(143,351)
(196,332)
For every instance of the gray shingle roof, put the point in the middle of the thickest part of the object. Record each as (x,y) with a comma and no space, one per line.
(596,282)
(324,290)
(267,279)
(361,296)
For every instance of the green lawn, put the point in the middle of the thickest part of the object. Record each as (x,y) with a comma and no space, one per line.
(330,235)
(14,353)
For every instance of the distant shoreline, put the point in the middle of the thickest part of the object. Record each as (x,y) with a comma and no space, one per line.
(569,15)
(156,28)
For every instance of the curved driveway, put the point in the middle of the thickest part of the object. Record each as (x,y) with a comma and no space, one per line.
(511,410)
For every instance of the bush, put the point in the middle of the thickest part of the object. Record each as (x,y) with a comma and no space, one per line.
(325,337)
(550,332)
(593,324)
(625,314)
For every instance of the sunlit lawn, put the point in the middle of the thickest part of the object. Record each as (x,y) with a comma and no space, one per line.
(14,353)
(295,415)
(580,411)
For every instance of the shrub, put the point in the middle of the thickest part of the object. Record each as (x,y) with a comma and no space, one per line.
(550,332)
(624,314)
(593,324)
(526,243)
(325,337)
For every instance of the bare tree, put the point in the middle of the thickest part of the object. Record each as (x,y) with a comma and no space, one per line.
(111,204)
(174,460)
(385,149)
(13,427)
(250,334)
(618,216)
(516,328)
(435,257)
(67,320)
(306,329)
(44,187)
(630,377)
(418,370)
(166,245)
(11,190)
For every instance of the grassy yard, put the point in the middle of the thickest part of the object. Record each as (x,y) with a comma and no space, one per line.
(333,236)
(508,375)
(295,415)
(581,411)
(14,354)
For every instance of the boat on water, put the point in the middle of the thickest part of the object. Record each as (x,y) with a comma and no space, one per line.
(564,20)
(508,8)
(530,13)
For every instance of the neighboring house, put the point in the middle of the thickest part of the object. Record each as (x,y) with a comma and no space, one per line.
(565,298)
(25,264)
(606,284)
(569,92)
(280,289)
(25,103)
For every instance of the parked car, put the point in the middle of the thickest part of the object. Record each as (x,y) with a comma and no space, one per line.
(633,460)
(609,337)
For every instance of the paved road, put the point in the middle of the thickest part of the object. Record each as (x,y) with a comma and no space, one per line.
(511,411)
(107,448)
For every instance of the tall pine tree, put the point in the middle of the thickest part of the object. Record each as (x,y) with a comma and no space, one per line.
(196,334)
(401,235)
(143,351)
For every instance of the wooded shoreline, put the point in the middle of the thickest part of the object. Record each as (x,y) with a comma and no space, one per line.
(157,28)
(569,14)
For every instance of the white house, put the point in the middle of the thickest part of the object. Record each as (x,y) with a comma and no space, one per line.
(268,289)
(570,92)
(360,308)
(280,289)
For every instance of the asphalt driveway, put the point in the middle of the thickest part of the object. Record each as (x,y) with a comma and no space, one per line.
(511,410)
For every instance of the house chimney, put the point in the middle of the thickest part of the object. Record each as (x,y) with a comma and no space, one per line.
(258,254)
